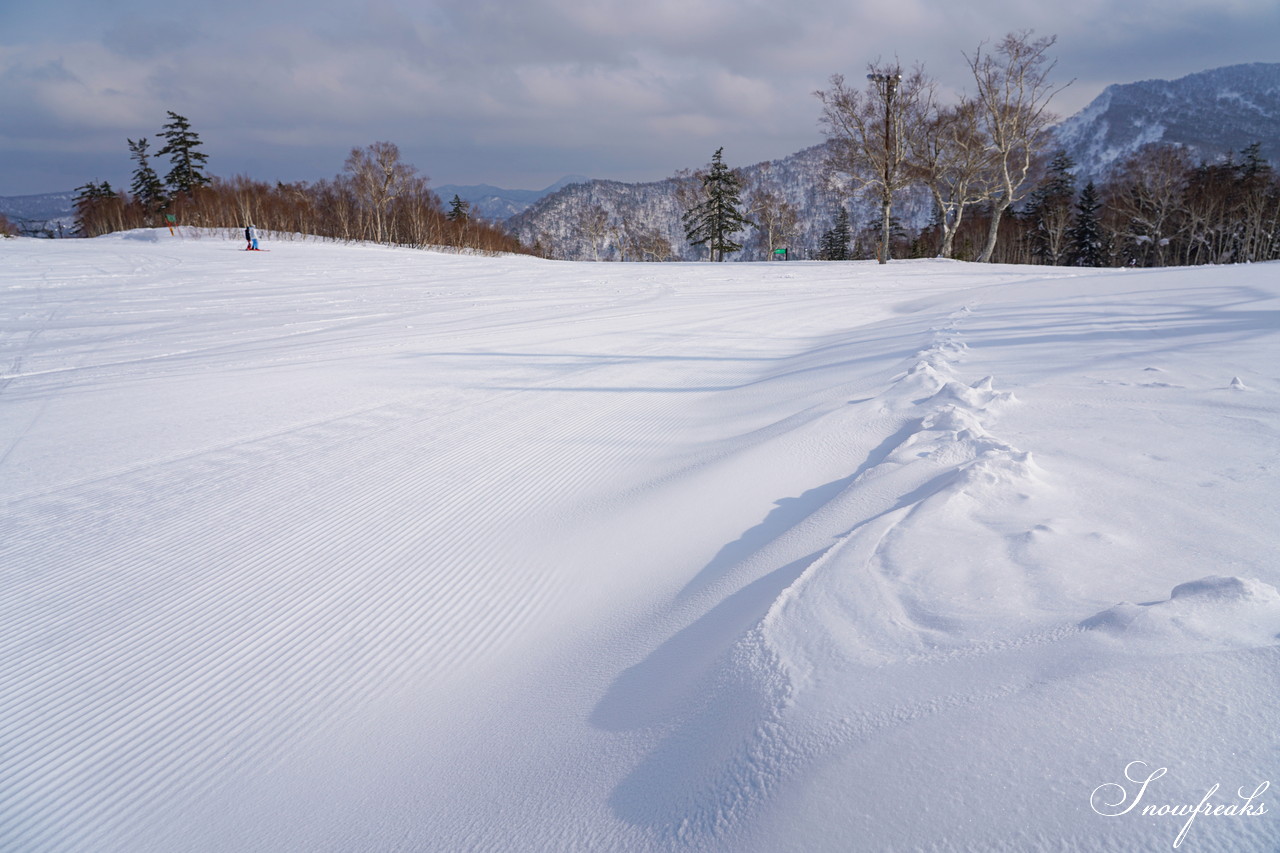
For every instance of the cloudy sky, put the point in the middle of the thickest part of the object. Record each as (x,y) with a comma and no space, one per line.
(519,93)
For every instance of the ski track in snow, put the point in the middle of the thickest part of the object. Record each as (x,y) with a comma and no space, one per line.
(353,548)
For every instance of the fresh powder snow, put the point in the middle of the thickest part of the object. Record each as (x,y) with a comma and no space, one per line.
(357,548)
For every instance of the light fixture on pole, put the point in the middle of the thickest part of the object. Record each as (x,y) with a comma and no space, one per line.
(887,84)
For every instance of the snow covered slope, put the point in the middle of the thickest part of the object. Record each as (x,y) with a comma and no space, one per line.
(353,548)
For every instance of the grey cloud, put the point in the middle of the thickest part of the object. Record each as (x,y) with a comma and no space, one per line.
(493,90)
(49,71)
(145,39)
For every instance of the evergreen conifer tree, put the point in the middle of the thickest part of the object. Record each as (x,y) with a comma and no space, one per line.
(1253,163)
(835,240)
(87,196)
(182,148)
(94,204)
(1087,245)
(1049,211)
(459,210)
(146,188)
(713,221)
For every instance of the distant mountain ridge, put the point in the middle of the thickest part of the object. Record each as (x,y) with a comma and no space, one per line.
(1211,114)
(41,215)
(497,204)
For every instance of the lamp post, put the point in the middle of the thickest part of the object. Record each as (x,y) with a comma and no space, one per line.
(887,84)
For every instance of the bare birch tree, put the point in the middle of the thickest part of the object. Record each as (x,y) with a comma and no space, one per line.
(593,226)
(774,217)
(951,157)
(869,130)
(1012,106)
(1146,195)
(378,177)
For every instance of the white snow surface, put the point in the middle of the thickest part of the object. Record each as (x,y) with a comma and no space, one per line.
(341,548)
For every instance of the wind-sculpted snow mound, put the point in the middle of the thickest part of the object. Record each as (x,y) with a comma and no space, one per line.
(1229,612)
(907,559)
(925,557)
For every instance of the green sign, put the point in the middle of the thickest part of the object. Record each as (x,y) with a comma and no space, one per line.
(171,217)
(779,251)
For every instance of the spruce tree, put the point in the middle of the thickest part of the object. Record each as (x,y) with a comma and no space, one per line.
(835,240)
(1252,162)
(146,188)
(88,196)
(94,205)
(459,210)
(1049,211)
(1086,241)
(182,147)
(826,245)
(1256,207)
(713,221)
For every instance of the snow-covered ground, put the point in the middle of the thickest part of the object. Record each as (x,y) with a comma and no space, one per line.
(344,548)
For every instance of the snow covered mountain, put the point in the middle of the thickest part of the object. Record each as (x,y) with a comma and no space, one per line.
(1211,113)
